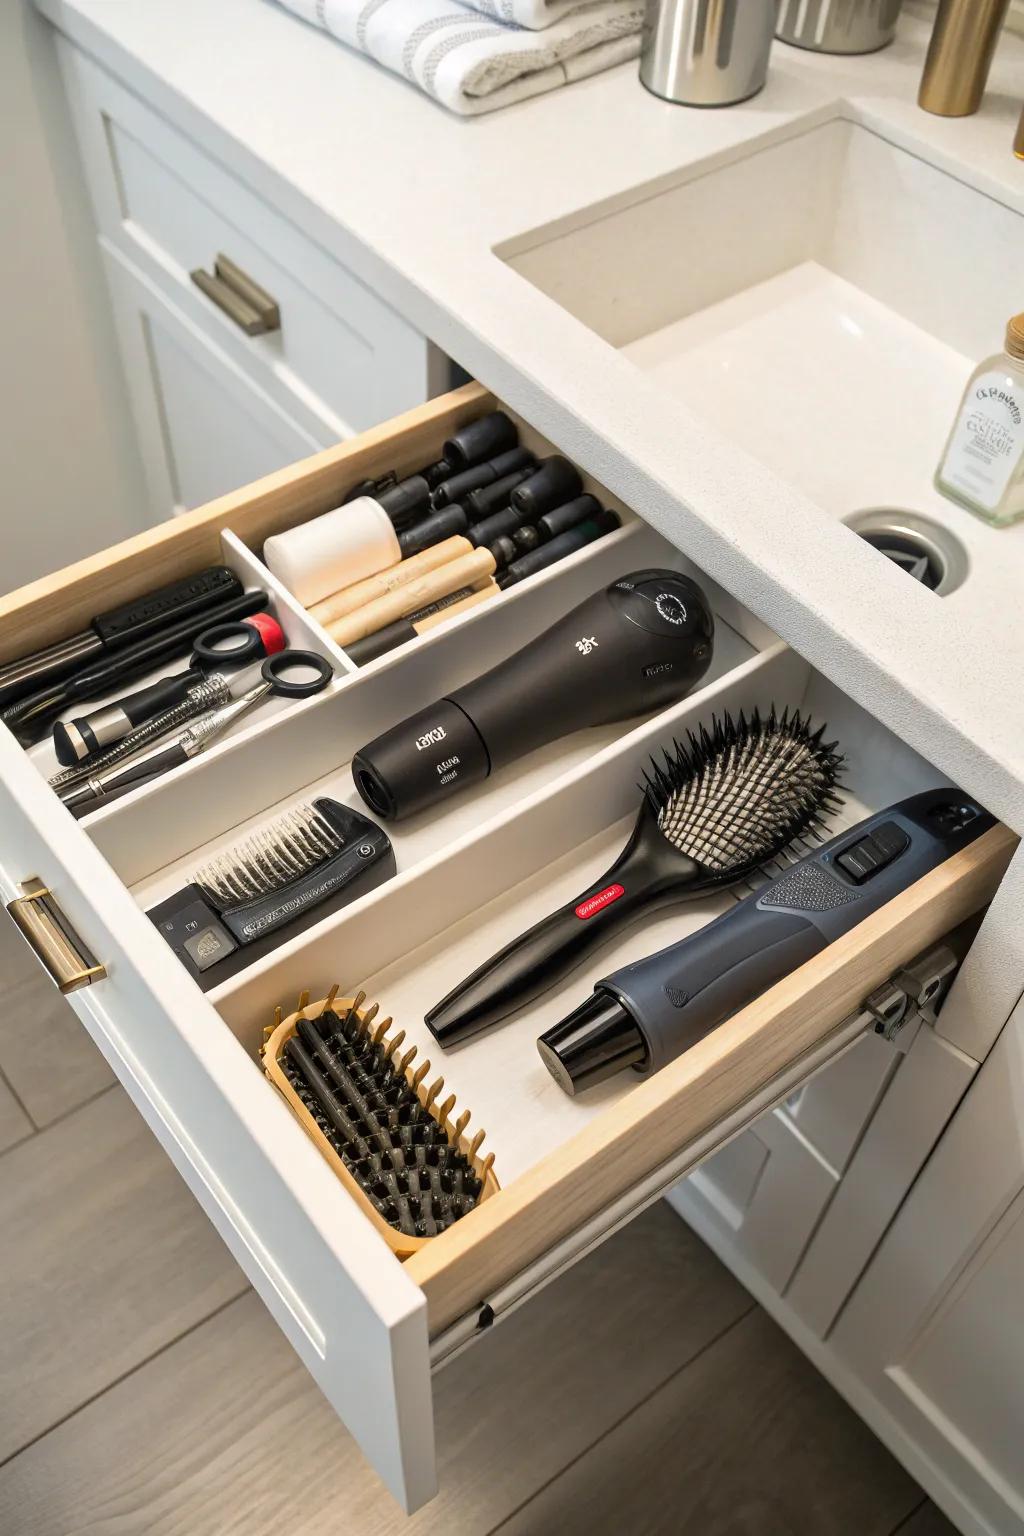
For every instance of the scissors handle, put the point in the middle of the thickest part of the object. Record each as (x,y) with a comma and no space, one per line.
(229,645)
(293,674)
(297,674)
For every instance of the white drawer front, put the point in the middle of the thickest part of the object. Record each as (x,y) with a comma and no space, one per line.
(348,1308)
(341,361)
(203,424)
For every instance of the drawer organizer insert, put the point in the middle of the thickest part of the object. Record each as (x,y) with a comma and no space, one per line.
(474,872)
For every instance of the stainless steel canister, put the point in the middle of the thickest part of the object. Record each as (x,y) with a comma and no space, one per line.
(707,53)
(839,26)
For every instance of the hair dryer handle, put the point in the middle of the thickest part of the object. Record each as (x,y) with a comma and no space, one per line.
(681,994)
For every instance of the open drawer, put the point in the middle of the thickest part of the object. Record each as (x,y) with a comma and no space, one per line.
(366,1325)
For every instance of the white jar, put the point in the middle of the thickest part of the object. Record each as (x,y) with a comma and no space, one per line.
(982,466)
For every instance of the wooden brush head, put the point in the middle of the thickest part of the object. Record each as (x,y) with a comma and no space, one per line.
(393,1140)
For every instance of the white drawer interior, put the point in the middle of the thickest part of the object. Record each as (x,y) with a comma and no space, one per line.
(409,942)
(289,751)
(152,835)
(477,871)
(484,866)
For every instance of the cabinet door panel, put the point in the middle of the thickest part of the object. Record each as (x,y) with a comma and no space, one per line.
(924,1092)
(761,1196)
(203,425)
(936,1327)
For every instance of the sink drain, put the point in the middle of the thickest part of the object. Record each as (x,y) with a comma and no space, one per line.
(925,550)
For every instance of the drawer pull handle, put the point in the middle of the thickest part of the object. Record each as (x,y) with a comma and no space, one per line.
(243,301)
(55,942)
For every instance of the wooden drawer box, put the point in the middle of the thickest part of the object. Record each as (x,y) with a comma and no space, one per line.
(366,1325)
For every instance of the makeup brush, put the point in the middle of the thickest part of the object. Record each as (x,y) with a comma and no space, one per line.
(714,810)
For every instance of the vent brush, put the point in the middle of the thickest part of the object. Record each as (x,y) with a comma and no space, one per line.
(714,811)
(237,906)
(390,1137)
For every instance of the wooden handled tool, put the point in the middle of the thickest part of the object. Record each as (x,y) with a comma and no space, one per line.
(335,607)
(466,571)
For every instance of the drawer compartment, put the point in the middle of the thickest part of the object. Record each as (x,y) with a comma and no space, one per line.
(469,877)
(340,360)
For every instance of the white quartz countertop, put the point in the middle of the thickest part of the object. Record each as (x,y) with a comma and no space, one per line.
(414,201)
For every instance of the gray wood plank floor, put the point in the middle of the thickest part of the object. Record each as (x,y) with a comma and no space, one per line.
(145,1392)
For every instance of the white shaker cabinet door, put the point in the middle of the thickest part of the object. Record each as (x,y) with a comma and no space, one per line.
(204,426)
(935,1330)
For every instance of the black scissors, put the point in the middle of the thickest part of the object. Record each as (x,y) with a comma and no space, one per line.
(289,674)
(216,651)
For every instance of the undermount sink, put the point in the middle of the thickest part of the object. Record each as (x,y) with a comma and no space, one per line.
(821,301)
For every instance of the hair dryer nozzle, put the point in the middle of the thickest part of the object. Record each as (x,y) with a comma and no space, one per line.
(595,1041)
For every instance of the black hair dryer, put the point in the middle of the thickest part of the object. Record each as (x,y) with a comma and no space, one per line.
(632,648)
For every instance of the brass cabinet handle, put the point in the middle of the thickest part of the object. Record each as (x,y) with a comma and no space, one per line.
(251,307)
(55,942)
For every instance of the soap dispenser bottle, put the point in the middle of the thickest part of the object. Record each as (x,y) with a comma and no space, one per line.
(982,466)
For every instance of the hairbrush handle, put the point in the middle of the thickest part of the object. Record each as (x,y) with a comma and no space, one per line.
(646,875)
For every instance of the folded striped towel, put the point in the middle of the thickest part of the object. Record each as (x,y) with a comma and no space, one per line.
(484,55)
(524,13)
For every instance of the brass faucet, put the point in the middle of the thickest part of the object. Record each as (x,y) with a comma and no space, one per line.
(960,55)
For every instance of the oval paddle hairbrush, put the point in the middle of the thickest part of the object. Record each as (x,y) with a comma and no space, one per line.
(718,807)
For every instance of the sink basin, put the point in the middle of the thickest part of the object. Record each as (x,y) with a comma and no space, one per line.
(821,301)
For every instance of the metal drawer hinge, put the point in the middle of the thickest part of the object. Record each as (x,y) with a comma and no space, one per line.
(913,996)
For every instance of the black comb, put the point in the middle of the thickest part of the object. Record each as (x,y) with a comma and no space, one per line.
(389,1135)
(716,808)
(293,871)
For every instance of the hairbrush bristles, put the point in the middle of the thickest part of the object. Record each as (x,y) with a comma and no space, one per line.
(405,1153)
(271,858)
(737,795)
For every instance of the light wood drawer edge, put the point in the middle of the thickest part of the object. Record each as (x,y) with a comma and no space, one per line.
(492,1244)
(58,605)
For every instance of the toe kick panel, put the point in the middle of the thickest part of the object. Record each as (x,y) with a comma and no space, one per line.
(469,877)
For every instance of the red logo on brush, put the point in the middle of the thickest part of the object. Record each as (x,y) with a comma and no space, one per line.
(602,899)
